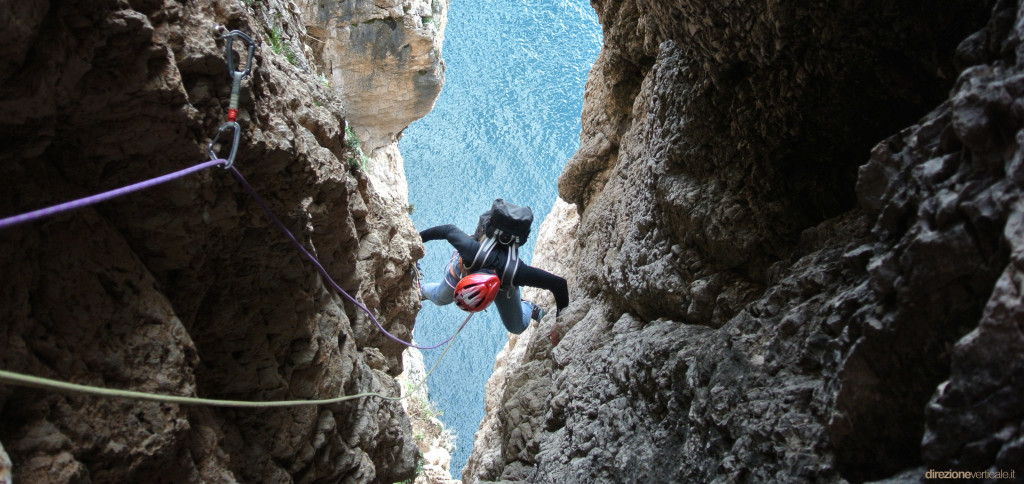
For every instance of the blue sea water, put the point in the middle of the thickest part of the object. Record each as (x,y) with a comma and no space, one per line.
(507,120)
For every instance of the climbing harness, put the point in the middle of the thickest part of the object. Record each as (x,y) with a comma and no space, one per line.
(507,224)
(511,268)
(231,124)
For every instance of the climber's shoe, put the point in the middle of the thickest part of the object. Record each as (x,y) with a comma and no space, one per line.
(538,313)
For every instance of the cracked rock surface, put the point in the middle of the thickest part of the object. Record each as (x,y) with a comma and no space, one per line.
(792,233)
(188,288)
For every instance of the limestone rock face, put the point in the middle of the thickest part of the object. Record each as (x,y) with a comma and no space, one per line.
(384,57)
(434,441)
(189,288)
(794,254)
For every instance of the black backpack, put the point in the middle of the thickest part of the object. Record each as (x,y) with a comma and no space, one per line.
(508,224)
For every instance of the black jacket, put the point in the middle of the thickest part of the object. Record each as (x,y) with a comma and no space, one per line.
(525,276)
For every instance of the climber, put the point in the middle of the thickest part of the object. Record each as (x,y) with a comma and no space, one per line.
(494,272)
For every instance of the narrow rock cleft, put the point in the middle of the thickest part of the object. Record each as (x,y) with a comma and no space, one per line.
(188,288)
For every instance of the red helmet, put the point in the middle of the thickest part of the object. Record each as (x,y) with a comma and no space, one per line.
(474,292)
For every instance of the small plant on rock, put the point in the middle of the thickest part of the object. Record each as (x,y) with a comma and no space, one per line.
(280,46)
(356,158)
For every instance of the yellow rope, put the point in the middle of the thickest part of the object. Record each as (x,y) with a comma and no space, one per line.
(18,379)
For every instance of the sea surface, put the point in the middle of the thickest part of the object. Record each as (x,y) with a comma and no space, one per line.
(507,120)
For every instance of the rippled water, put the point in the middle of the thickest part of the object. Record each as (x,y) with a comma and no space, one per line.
(507,120)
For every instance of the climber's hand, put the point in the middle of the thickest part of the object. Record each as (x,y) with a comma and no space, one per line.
(553,334)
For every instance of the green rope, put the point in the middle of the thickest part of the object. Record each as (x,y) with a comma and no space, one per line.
(439,358)
(18,379)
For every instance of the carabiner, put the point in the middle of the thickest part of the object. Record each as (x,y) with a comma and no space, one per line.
(234,144)
(229,52)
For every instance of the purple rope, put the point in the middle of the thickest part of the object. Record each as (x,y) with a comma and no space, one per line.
(100,197)
(323,271)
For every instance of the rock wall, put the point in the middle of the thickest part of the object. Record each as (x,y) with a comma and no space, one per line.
(794,252)
(384,57)
(188,288)
(434,441)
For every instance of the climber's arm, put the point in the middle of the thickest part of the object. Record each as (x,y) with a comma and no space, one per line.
(534,277)
(462,242)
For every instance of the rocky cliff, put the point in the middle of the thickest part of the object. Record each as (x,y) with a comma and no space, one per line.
(188,288)
(794,244)
(434,441)
(384,57)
